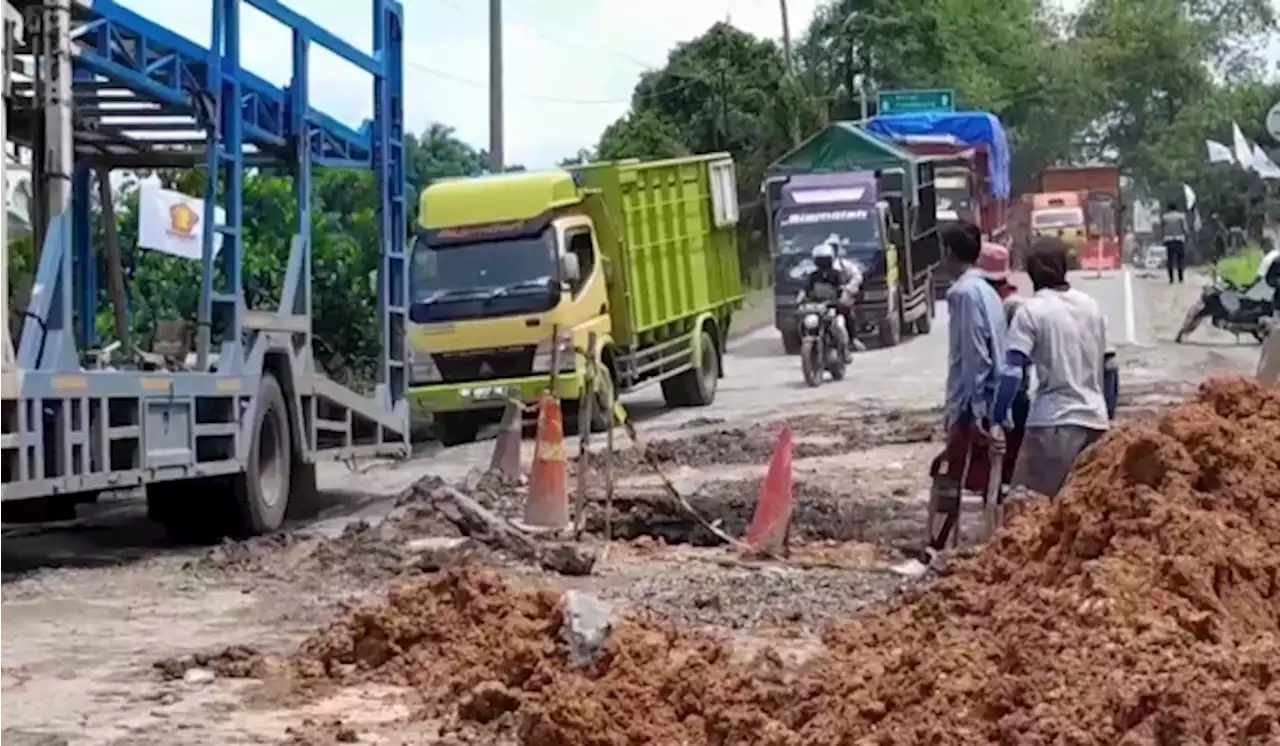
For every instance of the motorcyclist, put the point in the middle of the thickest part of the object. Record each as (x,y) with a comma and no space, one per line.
(834,280)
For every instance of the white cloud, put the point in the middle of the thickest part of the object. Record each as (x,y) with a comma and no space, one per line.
(570,64)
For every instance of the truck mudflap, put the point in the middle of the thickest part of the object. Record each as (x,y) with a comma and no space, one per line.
(475,395)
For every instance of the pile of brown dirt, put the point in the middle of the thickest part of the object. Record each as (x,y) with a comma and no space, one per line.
(1141,608)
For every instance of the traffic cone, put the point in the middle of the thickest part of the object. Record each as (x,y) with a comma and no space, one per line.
(768,529)
(506,447)
(548,503)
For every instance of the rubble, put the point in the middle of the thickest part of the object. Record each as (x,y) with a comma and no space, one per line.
(1143,607)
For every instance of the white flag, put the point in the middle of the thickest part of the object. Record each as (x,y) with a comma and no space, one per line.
(172,222)
(1190,196)
(1244,152)
(1219,153)
(1263,164)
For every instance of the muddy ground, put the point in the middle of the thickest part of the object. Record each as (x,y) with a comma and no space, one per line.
(89,607)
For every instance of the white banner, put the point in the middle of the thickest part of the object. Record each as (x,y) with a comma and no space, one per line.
(172,222)
(1244,151)
(1219,153)
(1189,195)
(1263,164)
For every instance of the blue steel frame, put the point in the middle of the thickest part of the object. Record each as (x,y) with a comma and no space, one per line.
(117,48)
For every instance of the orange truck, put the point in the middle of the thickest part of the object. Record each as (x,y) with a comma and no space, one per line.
(1080,205)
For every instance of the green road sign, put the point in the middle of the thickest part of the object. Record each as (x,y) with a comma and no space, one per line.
(901,102)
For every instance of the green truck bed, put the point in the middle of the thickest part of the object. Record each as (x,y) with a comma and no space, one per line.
(665,256)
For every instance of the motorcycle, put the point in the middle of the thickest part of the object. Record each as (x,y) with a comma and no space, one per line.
(824,342)
(1228,308)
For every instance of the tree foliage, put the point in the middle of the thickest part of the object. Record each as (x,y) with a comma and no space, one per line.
(1138,82)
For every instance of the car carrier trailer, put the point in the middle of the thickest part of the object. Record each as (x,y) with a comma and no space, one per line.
(229,442)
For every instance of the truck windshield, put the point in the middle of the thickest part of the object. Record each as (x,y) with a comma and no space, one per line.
(953,204)
(1065,218)
(485,278)
(857,230)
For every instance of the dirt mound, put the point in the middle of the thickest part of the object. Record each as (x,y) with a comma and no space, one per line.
(1143,607)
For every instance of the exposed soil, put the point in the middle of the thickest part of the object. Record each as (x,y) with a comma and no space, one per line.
(1142,607)
(868,509)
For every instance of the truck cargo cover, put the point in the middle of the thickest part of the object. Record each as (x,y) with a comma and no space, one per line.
(971,128)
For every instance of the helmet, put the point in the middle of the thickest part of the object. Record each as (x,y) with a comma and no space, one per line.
(824,255)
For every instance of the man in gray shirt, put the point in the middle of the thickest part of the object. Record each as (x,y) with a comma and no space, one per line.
(1173,233)
(977,335)
(1063,333)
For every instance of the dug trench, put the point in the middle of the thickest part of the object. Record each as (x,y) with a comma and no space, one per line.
(711,443)
(1142,607)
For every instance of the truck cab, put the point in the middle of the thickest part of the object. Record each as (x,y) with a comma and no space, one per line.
(1060,214)
(506,282)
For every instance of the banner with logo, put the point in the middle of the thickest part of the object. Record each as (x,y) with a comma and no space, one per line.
(173,223)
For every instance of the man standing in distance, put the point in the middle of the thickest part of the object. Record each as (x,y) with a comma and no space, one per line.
(977,331)
(1173,233)
(1063,333)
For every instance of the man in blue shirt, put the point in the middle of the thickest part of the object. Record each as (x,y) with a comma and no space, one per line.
(976,348)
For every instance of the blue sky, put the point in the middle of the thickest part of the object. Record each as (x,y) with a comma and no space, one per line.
(570,64)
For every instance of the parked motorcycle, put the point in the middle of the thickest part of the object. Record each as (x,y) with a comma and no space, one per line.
(1228,308)
(824,342)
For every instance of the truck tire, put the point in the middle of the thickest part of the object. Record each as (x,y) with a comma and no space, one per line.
(891,331)
(696,387)
(791,342)
(924,324)
(262,491)
(457,428)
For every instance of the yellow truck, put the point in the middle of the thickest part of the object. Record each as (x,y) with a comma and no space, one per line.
(510,273)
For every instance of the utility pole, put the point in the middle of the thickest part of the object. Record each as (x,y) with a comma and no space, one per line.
(496,160)
(791,73)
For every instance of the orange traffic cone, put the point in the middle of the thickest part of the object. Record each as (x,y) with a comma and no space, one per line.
(506,447)
(548,504)
(768,529)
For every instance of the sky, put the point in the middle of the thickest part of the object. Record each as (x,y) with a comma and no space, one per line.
(570,65)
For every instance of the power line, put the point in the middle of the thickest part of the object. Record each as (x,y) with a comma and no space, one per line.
(691,79)
(690,82)
(560,42)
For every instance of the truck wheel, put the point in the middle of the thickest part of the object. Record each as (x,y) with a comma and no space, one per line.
(791,342)
(696,387)
(457,428)
(924,324)
(891,331)
(262,492)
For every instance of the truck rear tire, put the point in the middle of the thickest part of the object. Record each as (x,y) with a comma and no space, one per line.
(457,428)
(696,387)
(262,491)
(924,324)
(891,331)
(791,342)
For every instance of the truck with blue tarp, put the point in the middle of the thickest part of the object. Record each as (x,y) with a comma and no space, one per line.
(876,200)
(973,160)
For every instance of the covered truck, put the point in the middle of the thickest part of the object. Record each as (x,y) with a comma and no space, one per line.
(512,273)
(972,167)
(877,200)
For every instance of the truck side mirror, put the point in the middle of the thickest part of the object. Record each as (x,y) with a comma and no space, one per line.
(570,270)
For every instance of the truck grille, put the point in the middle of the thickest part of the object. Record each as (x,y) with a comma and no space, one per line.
(485,365)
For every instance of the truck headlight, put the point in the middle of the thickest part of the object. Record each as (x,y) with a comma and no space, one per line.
(564,351)
(422,368)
